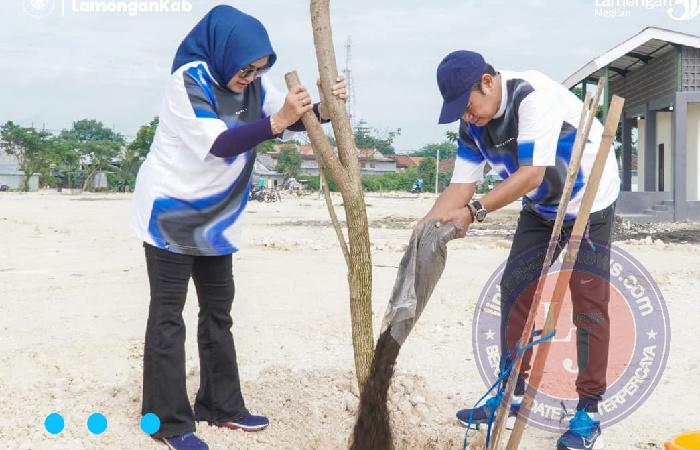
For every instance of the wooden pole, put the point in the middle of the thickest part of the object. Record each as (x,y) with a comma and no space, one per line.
(564,275)
(585,122)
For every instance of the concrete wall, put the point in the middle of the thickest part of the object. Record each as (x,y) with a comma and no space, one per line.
(664,133)
(380,167)
(8,164)
(636,202)
(641,126)
(15,181)
(271,181)
(309,167)
(692,152)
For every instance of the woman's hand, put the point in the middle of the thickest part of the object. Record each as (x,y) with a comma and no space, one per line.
(339,91)
(297,102)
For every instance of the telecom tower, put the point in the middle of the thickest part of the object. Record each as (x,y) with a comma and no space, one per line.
(350,82)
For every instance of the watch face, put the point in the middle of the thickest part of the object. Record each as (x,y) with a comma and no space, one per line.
(480,215)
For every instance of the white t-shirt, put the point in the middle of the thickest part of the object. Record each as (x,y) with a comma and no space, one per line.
(536,126)
(187,200)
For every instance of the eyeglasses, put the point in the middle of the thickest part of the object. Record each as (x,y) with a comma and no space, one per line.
(256,72)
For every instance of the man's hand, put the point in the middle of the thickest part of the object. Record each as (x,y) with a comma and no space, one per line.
(461,217)
(451,199)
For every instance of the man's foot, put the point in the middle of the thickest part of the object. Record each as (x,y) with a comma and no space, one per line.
(248,422)
(583,434)
(482,413)
(187,441)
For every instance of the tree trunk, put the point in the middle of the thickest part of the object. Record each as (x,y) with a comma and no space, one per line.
(345,168)
(360,281)
(87,180)
(25,181)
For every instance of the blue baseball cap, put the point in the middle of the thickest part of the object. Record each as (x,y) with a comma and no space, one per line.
(456,75)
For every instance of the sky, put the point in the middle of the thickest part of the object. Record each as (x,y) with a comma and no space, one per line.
(111,66)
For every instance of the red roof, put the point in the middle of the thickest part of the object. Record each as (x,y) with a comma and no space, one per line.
(306,150)
(447,164)
(403,161)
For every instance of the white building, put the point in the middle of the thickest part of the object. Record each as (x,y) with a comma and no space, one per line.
(658,73)
(11,176)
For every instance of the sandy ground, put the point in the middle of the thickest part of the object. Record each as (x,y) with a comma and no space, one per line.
(74,297)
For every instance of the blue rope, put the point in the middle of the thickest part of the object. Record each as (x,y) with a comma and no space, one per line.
(506,368)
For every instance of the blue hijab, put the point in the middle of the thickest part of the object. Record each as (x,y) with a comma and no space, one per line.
(227,40)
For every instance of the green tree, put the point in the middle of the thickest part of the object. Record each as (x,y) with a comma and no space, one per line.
(91,130)
(28,146)
(97,145)
(141,145)
(136,152)
(448,150)
(289,162)
(268,146)
(426,170)
(62,156)
(367,138)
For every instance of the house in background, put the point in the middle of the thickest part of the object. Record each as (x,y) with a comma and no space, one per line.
(404,162)
(372,162)
(265,167)
(11,176)
(658,73)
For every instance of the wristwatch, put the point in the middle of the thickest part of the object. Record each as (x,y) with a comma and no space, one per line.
(481,212)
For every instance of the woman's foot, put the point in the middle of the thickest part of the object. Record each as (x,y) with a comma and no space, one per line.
(248,422)
(187,441)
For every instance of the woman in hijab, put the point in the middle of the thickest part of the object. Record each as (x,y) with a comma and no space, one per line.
(190,195)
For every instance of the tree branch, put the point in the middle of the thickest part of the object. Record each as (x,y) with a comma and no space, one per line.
(331,211)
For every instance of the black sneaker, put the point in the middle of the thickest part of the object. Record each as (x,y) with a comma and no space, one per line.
(187,441)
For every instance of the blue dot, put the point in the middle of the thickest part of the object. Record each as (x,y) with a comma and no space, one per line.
(54,423)
(150,423)
(97,423)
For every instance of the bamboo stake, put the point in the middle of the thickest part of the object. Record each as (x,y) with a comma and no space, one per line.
(567,269)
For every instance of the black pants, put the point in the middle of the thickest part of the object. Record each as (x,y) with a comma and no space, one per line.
(590,293)
(164,381)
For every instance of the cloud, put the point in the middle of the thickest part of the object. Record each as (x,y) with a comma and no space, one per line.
(113,66)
